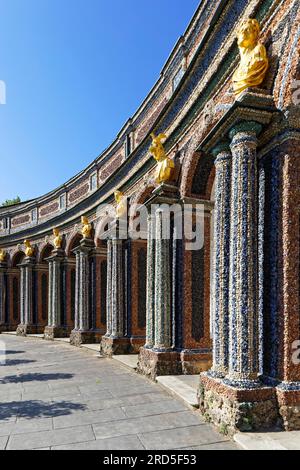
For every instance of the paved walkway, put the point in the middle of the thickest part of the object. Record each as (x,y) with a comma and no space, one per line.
(54,396)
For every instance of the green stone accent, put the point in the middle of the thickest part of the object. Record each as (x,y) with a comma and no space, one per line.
(246,126)
(221,147)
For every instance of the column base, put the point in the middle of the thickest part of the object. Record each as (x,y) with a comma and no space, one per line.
(289,408)
(234,409)
(24,330)
(154,363)
(78,337)
(52,332)
(110,346)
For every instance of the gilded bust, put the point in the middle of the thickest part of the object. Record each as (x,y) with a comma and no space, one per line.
(2,256)
(254,62)
(57,239)
(121,204)
(29,251)
(86,228)
(165,166)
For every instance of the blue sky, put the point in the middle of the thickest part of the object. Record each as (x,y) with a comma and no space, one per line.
(75,71)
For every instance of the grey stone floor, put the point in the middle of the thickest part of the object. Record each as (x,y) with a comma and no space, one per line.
(54,396)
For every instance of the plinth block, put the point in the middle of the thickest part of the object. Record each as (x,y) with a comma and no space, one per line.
(24,330)
(232,409)
(110,346)
(78,337)
(289,408)
(155,363)
(52,332)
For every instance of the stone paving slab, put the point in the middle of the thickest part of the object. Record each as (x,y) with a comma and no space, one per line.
(50,438)
(269,440)
(145,424)
(56,396)
(152,409)
(23,427)
(3,442)
(183,437)
(86,417)
(120,443)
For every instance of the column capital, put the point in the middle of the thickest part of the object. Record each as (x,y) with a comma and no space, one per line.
(245,127)
(57,255)
(221,151)
(86,246)
(28,262)
(250,108)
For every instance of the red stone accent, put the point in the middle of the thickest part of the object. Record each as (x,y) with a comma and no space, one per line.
(22,220)
(237,394)
(47,210)
(79,192)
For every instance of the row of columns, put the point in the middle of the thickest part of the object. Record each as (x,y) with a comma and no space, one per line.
(161,335)
(235,320)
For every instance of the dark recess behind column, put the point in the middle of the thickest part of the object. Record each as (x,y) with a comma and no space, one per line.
(44,280)
(142,281)
(103,291)
(198,294)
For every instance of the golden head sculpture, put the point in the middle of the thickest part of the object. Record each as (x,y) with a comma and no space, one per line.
(121,201)
(29,251)
(254,62)
(2,256)
(86,228)
(165,166)
(57,239)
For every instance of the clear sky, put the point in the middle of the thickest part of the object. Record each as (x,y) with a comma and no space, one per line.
(75,71)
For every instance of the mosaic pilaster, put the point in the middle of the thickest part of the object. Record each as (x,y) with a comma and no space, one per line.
(163,339)
(109,289)
(55,327)
(116,341)
(243,292)
(162,358)
(2,294)
(220,315)
(118,291)
(150,308)
(82,332)
(26,298)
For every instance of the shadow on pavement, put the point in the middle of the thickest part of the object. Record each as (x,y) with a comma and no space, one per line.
(7,351)
(16,362)
(37,409)
(14,379)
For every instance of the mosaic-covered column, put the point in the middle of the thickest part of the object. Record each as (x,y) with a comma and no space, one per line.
(116,341)
(243,292)
(82,332)
(109,289)
(162,334)
(26,298)
(3,294)
(160,356)
(117,290)
(220,315)
(150,295)
(55,329)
